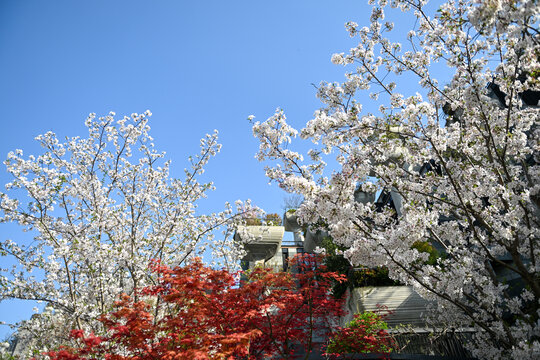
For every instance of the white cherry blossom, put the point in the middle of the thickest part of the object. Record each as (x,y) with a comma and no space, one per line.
(100,209)
(460,159)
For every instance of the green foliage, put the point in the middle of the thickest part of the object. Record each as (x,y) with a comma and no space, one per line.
(375,321)
(372,277)
(269,220)
(355,277)
(336,263)
(426,247)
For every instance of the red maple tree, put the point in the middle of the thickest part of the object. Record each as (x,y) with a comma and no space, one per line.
(196,312)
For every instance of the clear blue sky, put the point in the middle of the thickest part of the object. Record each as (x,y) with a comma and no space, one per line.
(197,65)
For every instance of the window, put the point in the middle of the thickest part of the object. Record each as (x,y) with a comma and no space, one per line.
(285,254)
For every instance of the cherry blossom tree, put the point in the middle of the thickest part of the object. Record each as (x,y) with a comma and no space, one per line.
(459,160)
(99,209)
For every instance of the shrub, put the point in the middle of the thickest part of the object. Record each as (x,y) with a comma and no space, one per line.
(366,333)
(272,219)
(268,220)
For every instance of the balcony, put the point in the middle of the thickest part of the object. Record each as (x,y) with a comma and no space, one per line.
(260,242)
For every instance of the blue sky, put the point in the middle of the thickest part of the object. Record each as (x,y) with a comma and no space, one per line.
(197,65)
